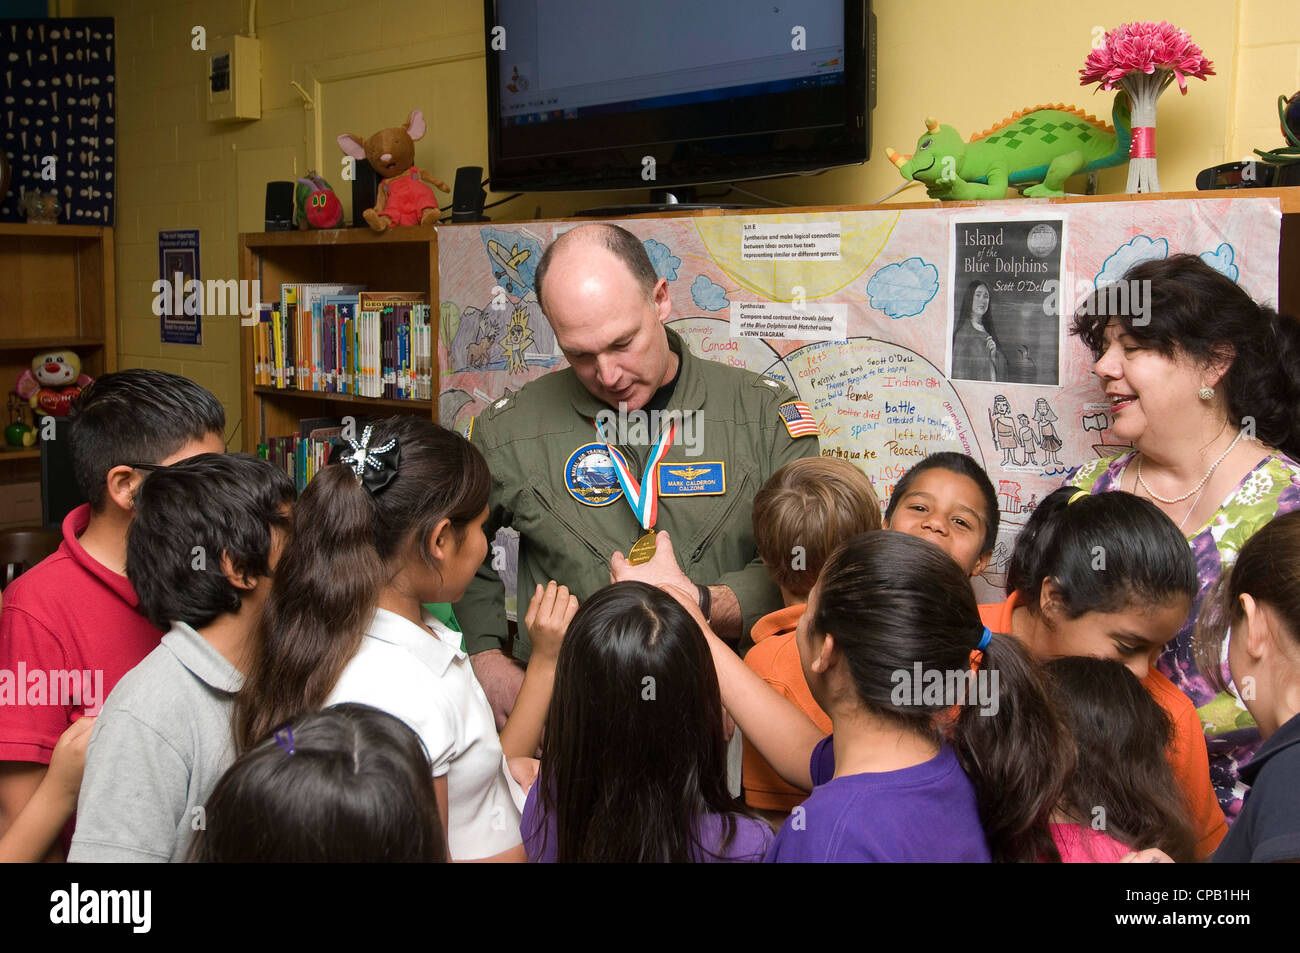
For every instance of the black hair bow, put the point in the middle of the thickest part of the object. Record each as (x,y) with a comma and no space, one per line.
(375,467)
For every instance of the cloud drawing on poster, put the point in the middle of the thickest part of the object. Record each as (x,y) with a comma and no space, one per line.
(1221,260)
(708,294)
(904,288)
(665,262)
(1132,253)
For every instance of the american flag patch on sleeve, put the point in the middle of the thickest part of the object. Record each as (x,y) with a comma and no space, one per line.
(798,419)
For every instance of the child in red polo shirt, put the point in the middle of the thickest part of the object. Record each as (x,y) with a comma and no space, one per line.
(1110,576)
(71,626)
(806,509)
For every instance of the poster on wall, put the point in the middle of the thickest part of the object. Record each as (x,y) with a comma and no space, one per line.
(1005,306)
(878,350)
(59,116)
(179,295)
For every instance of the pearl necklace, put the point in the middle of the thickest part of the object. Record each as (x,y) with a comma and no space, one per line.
(1205,479)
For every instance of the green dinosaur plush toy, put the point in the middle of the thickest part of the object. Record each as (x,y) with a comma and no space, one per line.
(1045,144)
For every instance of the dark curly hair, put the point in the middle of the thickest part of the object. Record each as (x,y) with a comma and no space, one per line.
(1204,315)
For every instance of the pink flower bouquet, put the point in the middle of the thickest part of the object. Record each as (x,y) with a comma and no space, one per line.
(1143,59)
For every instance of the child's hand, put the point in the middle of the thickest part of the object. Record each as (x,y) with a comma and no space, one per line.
(68,760)
(524,771)
(1152,855)
(548,617)
(690,601)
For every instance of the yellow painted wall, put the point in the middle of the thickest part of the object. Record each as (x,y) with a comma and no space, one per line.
(1268,57)
(365,63)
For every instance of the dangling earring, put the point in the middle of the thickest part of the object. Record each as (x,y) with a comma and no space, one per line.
(1205,393)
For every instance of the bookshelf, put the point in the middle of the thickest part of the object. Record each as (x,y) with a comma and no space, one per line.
(56,292)
(401,259)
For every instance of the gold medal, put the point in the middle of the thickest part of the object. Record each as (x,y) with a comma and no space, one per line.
(643,550)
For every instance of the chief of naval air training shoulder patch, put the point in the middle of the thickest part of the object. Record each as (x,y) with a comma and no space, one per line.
(589,475)
(798,419)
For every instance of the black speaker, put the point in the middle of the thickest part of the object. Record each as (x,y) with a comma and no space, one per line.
(467,198)
(279,206)
(365,188)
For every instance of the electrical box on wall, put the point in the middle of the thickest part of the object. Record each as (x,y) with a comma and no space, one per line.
(234,79)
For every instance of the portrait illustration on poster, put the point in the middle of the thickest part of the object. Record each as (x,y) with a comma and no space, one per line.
(1004,320)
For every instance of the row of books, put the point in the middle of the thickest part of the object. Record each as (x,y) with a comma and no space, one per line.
(343,339)
(303,454)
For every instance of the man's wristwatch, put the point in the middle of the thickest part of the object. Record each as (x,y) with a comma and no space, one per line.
(704,601)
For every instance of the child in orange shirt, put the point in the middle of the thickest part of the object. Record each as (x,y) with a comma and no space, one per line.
(801,514)
(1110,576)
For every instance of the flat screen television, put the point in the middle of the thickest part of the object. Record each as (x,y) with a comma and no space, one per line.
(624,94)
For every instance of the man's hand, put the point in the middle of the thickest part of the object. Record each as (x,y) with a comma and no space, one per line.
(661,570)
(501,678)
(549,614)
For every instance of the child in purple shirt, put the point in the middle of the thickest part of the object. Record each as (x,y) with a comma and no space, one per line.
(946,746)
(634,758)
(830,828)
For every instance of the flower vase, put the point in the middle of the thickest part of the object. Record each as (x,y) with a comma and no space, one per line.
(1143,90)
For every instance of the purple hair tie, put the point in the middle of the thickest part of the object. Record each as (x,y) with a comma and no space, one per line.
(284,738)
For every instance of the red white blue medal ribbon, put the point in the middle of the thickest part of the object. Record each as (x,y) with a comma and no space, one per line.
(643,496)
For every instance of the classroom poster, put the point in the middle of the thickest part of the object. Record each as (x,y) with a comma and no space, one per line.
(181,310)
(1005,309)
(883,387)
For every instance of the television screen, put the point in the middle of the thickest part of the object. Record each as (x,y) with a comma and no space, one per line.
(588,94)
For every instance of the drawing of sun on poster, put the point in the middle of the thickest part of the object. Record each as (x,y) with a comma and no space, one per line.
(1004,323)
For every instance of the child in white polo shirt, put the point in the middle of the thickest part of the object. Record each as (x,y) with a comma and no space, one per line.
(394,523)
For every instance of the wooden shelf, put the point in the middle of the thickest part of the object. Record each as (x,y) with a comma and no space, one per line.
(400,259)
(294,394)
(94,232)
(338,236)
(56,291)
(40,344)
(1288,198)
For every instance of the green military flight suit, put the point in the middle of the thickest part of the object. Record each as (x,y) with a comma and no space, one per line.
(529,440)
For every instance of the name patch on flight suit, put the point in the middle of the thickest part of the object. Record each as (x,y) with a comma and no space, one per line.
(696,478)
(589,475)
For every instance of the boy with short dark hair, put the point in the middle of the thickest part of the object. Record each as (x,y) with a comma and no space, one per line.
(803,512)
(70,627)
(205,540)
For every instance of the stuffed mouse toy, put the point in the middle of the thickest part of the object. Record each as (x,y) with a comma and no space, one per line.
(406,195)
